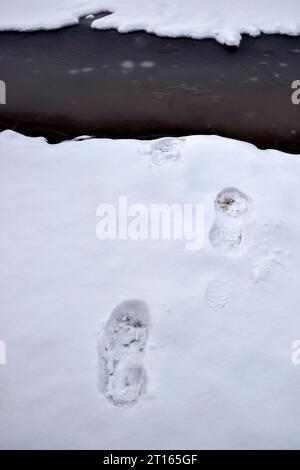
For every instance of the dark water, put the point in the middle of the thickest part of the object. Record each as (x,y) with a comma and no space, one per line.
(76,81)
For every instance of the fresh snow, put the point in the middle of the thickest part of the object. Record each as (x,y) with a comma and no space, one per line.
(223,20)
(208,333)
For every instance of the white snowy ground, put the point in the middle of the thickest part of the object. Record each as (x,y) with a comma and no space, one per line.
(220,19)
(218,357)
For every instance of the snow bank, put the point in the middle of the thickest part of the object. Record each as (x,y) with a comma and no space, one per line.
(219,19)
(28,15)
(219,353)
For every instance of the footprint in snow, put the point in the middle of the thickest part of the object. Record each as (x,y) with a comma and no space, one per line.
(216,295)
(121,350)
(165,150)
(230,228)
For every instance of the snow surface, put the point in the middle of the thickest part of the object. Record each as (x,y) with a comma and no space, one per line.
(223,20)
(218,355)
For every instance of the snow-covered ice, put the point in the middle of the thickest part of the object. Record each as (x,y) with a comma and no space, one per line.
(211,338)
(223,20)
